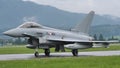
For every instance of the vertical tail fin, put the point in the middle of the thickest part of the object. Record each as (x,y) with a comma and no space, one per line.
(84,26)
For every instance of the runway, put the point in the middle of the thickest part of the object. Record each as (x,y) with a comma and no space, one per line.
(61,54)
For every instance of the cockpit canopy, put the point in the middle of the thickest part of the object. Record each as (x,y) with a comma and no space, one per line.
(30,25)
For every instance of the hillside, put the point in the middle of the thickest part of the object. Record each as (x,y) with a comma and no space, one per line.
(12,13)
(106,30)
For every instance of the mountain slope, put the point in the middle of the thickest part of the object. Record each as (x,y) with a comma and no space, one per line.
(12,13)
(106,30)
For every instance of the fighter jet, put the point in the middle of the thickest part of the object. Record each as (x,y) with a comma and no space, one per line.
(42,37)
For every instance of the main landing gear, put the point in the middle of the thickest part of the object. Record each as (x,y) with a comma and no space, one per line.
(46,51)
(75,52)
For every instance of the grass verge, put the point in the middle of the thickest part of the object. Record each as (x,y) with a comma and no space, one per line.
(68,62)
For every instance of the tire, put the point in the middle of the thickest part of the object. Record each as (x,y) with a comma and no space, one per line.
(75,52)
(36,54)
(47,52)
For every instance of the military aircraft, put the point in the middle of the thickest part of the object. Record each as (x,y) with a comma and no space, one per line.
(42,37)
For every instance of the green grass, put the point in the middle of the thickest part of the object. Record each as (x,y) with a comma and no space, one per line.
(19,50)
(66,62)
(23,49)
(15,50)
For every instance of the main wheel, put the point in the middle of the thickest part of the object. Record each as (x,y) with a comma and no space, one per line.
(36,54)
(47,52)
(75,52)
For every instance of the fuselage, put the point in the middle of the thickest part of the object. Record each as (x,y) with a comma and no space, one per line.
(47,33)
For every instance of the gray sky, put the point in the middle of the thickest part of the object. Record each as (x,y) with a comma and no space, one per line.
(110,7)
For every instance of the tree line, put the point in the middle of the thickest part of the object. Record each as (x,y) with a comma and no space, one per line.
(16,41)
(102,38)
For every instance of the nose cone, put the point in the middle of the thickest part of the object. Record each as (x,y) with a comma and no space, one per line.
(9,33)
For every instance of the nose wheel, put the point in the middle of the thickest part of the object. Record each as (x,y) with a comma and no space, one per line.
(75,52)
(36,54)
